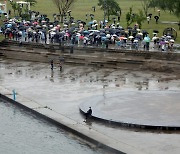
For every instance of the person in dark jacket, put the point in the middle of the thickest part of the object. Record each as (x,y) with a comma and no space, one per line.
(88,113)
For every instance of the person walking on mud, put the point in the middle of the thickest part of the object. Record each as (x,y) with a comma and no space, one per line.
(60,65)
(52,65)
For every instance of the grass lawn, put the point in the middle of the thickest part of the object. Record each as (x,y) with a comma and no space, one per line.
(1,37)
(82,7)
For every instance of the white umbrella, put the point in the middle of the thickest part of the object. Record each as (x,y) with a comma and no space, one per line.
(171,40)
(131,37)
(86,38)
(94,21)
(140,34)
(108,36)
(154,38)
(135,41)
(53,33)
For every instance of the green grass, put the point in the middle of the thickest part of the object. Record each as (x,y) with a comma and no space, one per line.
(82,7)
(1,37)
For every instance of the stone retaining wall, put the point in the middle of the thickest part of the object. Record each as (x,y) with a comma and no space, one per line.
(109,58)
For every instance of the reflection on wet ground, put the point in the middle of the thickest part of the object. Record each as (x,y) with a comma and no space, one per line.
(106,78)
(67,89)
(23,132)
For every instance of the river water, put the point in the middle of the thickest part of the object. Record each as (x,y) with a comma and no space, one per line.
(21,132)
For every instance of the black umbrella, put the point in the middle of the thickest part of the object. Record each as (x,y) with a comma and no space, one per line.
(102,30)
(155,31)
(102,34)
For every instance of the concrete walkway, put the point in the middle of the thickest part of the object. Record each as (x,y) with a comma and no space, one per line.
(59,94)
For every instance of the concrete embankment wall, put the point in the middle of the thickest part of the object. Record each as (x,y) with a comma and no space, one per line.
(109,58)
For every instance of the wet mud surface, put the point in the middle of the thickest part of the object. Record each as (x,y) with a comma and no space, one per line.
(65,91)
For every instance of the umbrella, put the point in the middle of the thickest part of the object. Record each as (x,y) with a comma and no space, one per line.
(140,34)
(135,41)
(94,21)
(147,39)
(91,34)
(144,32)
(102,30)
(38,27)
(103,38)
(81,37)
(86,38)
(154,38)
(86,32)
(35,23)
(9,25)
(108,36)
(131,37)
(90,23)
(171,40)
(53,33)
(168,36)
(156,31)
(102,34)
(162,42)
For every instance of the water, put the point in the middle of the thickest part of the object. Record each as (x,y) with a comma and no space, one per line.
(21,132)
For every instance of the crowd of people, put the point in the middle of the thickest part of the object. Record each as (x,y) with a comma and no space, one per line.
(96,34)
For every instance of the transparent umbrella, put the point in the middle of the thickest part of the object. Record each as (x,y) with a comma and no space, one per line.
(147,39)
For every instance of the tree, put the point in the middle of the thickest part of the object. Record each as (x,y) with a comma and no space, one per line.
(135,17)
(14,6)
(145,5)
(63,6)
(139,18)
(18,9)
(110,7)
(129,17)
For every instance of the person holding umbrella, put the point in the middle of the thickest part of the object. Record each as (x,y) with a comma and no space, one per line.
(147,42)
